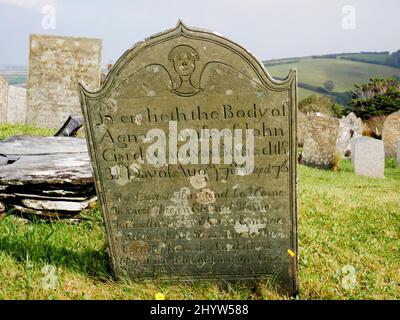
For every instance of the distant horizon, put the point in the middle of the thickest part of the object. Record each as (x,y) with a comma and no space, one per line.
(262,60)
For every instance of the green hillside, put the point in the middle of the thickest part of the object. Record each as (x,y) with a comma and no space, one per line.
(313,72)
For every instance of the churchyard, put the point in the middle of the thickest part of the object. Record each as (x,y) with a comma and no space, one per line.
(344,220)
(298,202)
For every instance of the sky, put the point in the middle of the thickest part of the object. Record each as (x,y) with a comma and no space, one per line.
(270,29)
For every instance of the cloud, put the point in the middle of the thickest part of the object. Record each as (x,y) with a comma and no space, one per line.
(35,5)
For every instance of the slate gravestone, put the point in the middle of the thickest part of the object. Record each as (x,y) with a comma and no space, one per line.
(368,157)
(181,194)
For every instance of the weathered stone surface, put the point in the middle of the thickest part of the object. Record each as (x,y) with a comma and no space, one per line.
(185,218)
(319,141)
(301,125)
(16,112)
(349,127)
(391,134)
(3,100)
(48,176)
(34,146)
(54,169)
(56,64)
(49,205)
(398,153)
(368,157)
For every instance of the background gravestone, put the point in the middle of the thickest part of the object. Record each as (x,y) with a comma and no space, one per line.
(398,153)
(319,141)
(368,157)
(56,64)
(189,221)
(3,100)
(349,127)
(391,134)
(16,113)
(301,124)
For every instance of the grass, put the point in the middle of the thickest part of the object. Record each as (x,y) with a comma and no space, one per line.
(9,130)
(344,220)
(344,73)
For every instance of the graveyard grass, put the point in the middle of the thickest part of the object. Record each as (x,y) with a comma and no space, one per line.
(344,220)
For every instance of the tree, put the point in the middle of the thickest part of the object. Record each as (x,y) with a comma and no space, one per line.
(379,97)
(329,85)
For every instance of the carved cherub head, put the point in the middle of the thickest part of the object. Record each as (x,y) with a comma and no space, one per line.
(184,59)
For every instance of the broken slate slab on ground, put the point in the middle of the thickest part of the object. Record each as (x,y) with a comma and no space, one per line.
(46,176)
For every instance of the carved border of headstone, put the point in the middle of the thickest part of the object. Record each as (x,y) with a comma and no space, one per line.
(289,84)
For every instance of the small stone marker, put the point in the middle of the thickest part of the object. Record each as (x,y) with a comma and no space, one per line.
(182,196)
(391,134)
(319,141)
(368,157)
(3,100)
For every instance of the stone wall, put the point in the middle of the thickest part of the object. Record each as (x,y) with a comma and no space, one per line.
(56,64)
(391,134)
(16,112)
(320,136)
(3,100)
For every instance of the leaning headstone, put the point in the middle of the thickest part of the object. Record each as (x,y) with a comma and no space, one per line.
(56,64)
(391,134)
(16,113)
(349,127)
(3,100)
(71,126)
(182,196)
(319,141)
(368,157)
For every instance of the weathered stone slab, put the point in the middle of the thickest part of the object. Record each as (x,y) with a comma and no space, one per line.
(51,205)
(47,176)
(55,169)
(349,127)
(56,64)
(391,134)
(16,113)
(195,211)
(368,157)
(3,100)
(319,141)
(35,146)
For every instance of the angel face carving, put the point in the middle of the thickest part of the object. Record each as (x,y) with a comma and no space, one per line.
(184,60)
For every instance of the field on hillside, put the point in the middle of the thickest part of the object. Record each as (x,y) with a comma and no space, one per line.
(348,226)
(344,73)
